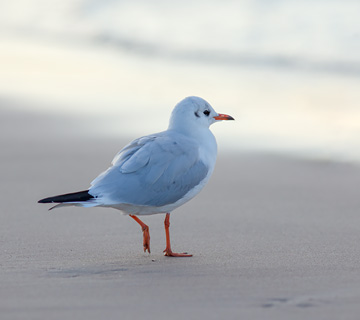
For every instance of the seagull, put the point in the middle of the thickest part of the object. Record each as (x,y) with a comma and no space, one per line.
(159,172)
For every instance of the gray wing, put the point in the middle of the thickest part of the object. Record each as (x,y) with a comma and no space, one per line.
(153,170)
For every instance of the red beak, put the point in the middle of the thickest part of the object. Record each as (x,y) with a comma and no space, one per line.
(223,117)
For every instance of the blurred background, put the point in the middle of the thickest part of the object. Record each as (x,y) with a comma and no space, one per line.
(288,71)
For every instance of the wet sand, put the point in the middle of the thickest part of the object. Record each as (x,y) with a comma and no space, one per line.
(272,237)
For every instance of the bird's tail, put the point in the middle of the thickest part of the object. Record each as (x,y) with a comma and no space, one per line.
(75,198)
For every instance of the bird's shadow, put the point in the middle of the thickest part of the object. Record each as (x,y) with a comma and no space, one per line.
(106,270)
(88,271)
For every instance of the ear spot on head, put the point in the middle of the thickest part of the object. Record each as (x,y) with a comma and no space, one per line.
(196,114)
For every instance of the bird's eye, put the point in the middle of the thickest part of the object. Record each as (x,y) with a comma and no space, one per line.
(206,112)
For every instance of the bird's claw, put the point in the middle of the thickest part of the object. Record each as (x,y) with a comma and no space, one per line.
(146,239)
(168,253)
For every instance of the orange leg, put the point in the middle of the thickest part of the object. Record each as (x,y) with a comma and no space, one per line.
(146,233)
(167,251)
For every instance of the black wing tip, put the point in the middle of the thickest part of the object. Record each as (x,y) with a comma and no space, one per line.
(45,200)
(69,197)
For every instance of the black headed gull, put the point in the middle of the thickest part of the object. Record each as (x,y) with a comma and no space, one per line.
(159,172)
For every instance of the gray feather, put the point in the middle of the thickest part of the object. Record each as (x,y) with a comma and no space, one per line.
(153,171)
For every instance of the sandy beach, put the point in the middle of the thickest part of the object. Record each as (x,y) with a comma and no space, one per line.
(272,237)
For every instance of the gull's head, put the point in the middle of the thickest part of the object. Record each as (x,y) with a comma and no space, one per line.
(194,112)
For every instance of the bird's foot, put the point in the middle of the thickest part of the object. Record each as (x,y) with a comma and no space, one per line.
(168,253)
(146,238)
(146,233)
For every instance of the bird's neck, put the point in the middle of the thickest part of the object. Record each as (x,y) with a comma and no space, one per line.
(194,132)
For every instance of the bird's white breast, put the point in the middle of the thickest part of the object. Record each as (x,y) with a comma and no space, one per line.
(207,154)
